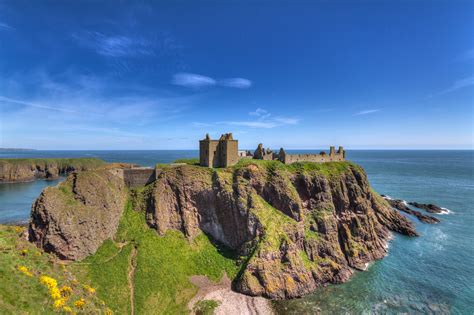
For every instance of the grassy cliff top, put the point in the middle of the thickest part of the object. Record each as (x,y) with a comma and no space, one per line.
(327,168)
(84,162)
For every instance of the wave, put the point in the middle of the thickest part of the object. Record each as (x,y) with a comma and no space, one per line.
(445,211)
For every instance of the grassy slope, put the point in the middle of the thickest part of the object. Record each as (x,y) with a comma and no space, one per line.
(163,267)
(21,293)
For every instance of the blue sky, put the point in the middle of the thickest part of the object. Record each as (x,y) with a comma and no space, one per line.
(299,74)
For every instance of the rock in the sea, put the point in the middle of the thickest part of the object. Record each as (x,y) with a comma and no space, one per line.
(73,219)
(431,208)
(401,205)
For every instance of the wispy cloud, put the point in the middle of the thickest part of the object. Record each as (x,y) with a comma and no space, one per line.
(239,83)
(84,108)
(115,45)
(192,80)
(261,118)
(466,56)
(366,112)
(459,84)
(196,81)
(4,99)
(5,26)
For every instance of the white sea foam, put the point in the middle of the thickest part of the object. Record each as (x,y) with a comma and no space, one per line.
(387,197)
(445,211)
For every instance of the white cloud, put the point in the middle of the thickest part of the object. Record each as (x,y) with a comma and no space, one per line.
(5,26)
(192,80)
(239,83)
(262,119)
(115,45)
(366,112)
(459,84)
(35,105)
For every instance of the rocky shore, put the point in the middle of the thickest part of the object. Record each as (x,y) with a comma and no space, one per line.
(402,206)
(293,227)
(24,170)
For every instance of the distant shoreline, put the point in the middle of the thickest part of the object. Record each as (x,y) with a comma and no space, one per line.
(16,149)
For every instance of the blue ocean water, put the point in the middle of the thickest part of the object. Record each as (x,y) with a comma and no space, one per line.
(430,274)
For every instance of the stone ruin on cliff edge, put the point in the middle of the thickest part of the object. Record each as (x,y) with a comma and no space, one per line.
(225,152)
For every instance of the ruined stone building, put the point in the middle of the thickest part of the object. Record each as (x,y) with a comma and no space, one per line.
(225,152)
(218,153)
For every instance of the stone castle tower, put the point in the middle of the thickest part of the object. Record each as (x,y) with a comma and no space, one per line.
(218,153)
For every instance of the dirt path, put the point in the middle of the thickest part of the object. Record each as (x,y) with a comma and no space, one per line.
(230,302)
(130,276)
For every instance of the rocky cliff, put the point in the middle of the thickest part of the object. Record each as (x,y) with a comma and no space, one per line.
(73,219)
(295,227)
(21,170)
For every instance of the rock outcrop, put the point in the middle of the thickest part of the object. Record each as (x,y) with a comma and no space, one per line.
(402,206)
(295,227)
(429,207)
(24,170)
(73,219)
(298,229)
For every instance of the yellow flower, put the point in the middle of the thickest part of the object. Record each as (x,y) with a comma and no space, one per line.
(18,229)
(108,311)
(89,289)
(67,309)
(25,271)
(48,281)
(24,252)
(79,303)
(66,291)
(59,303)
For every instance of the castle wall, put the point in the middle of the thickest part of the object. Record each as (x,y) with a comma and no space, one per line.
(136,177)
(317,158)
(207,153)
(230,153)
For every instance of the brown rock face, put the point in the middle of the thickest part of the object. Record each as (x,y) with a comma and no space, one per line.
(73,219)
(23,170)
(295,227)
(298,228)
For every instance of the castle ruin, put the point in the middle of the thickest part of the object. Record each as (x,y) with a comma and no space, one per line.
(218,153)
(225,152)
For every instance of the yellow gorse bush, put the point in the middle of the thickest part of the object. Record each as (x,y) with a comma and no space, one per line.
(25,271)
(89,289)
(79,303)
(66,291)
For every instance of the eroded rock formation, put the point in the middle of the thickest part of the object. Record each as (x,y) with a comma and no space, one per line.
(73,219)
(23,170)
(295,227)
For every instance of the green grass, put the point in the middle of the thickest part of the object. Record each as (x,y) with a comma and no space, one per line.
(274,222)
(192,161)
(205,307)
(327,169)
(164,265)
(88,163)
(23,294)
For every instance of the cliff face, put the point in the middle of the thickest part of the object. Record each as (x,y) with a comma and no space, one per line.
(295,227)
(21,170)
(73,219)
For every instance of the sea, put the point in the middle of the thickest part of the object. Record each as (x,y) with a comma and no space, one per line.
(429,274)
